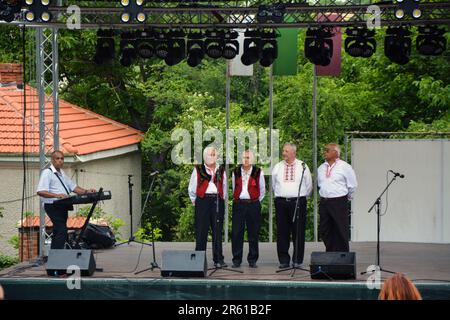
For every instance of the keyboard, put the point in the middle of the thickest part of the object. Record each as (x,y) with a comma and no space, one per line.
(85,198)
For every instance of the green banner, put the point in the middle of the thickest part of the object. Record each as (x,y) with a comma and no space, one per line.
(286,63)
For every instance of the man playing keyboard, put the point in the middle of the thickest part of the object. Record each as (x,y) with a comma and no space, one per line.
(54,184)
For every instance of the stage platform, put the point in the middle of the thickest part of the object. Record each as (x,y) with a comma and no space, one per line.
(428,265)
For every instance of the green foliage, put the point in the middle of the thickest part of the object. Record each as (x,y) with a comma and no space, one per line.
(14,241)
(144,234)
(7,261)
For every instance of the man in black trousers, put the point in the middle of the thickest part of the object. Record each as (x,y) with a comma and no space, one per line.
(248,192)
(286,177)
(207,191)
(337,183)
(54,184)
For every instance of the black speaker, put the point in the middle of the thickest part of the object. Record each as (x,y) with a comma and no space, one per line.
(60,259)
(183,263)
(98,237)
(333,265)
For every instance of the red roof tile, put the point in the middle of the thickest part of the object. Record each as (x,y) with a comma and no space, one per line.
(80,131)
(72,222)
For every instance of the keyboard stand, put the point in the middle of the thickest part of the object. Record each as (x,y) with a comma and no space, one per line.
(94,204)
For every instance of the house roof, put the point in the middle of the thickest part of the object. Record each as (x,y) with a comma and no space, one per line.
(72,222)
(81,131)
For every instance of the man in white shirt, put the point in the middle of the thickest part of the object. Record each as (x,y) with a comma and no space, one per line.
(337,183)
(207,191)
(286,177)
(248,192)
(54,184)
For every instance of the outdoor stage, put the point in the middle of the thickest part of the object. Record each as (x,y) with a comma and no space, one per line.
(428,265)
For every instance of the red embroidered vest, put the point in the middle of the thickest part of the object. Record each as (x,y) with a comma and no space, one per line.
(253,183)
(203,179)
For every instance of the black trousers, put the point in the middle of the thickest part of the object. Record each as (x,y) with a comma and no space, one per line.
(334,227)
(245,214)
(284,210)
(206,217)
(58,215)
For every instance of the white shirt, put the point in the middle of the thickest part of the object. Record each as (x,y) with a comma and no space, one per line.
(336,180)
(286,179)
(192,189)
(50,183)
(245,177)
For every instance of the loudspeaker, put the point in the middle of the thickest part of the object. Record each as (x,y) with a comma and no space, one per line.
(334,265)
(183,263)
(98,237)
(60,259)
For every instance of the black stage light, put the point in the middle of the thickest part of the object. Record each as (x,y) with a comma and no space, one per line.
(271,13)
(231,47)
(176,48)
(105,48)
(214,43)
(161,45)
(133,10)
(360,42)
(269,48)
(252,47)
(9,9)
(195,49)
(397,45)
(407,7)
(431,41)
(127,48)
(144,44)
(37,10)
(319,46)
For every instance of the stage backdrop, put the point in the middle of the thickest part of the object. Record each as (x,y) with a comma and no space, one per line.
(418,205)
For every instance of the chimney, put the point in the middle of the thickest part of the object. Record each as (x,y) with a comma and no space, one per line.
(11,75)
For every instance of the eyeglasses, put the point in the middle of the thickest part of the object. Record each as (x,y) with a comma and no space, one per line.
(59,158)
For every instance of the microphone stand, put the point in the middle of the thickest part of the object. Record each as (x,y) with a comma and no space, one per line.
(297,223)
(130,194)
(153,264)
(377,204)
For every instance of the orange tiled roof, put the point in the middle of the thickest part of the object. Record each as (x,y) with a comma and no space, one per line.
(80,131)
(72,222)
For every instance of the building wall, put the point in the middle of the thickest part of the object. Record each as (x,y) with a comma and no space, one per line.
(109,173)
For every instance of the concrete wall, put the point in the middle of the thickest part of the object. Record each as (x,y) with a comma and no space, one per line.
(109,173)
(418,206)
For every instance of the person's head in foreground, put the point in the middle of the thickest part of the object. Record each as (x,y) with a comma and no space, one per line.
(399,287)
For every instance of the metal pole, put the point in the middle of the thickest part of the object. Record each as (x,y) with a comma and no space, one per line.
(55,75)
(271,152)
(41,97)
(227,107)
(315,149)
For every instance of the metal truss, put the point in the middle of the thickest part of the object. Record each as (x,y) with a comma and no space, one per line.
(242,14)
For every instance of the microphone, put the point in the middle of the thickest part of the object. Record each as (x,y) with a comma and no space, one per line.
(154,173)
(397,174)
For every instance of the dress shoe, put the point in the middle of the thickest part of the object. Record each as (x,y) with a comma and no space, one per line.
(252,265)
(283,266)
(236,265)
(297,265)
(220,264)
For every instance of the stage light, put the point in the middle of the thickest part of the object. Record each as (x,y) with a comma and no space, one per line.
(360,42)
(214,43)
(195,49)
(397,45)
(127,49)
(319,46)
(38,10)
(161,45)
(271,13)
(9,9)
(231,47)
(133,10)
(252,47)
(269,48)
(144,44)
(431,41)
(105,48)
(176,49)
(407,8)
